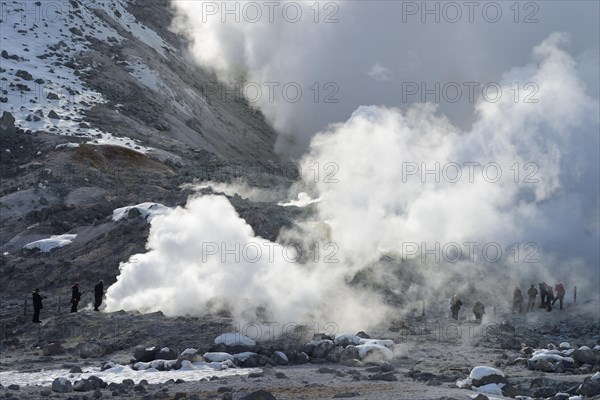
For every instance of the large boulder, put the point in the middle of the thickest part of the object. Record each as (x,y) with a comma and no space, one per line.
(280,358)
(590,386)
(83,386)
(145,354)
(96,382)
(488,379)
(322,348)
(335,354)
(302,358)
(53,349)
(345,339)
(7,126)
(191,355)
(90,350)
(166,354)
(62,385)
(585,355)
(259,395)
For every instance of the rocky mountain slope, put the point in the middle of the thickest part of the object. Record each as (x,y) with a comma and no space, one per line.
(101,110)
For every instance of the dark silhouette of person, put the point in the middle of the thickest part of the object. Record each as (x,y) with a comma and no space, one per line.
(517,301)
(532,294)
(560,294)
(75,297)
(98,293)
(478,310)
(37,305)
(543,295)
(455,306)
(549,298)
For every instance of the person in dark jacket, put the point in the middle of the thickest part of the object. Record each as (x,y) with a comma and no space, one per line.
(37,305)
(549,298)
(478,310)
(455,306)
(543,295)
(517,301)
(98,293)
(75,297)
(531,294)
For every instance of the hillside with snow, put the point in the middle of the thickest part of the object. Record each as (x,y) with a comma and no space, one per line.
(102,110)
(310,246)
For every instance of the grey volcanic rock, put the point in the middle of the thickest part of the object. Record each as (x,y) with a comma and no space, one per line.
(585,356)
(83,386)
(61,385)
(280,358)
(590,387)
(192,355)
(90,350)
(322,348)
(7,125)
(166,354)
(146,354)
(259,395)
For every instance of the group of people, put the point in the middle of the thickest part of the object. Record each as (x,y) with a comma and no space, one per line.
(548,297)
(75,299)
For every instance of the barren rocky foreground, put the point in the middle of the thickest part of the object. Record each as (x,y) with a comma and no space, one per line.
(430,354)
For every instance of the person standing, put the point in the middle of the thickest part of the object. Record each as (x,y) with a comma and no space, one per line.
(455,306)
(549,298)
(98,293)
(543,295)
(560,294)
(531,294)
(478,310)
(517,301)
(37,305)
(75,297)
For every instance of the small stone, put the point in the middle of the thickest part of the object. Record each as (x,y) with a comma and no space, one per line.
(386,376)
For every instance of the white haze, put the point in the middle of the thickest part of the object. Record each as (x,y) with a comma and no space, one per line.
(371,210)
(370,53)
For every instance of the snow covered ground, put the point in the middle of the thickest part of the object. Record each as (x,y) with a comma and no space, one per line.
(147,211)
(41,73)
(195,372)
(46,245)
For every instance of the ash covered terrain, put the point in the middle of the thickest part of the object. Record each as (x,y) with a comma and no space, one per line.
(266,248)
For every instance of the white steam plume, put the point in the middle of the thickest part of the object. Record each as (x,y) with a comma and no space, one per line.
(367,52)
(204,258)
(372,211)
(377,206)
